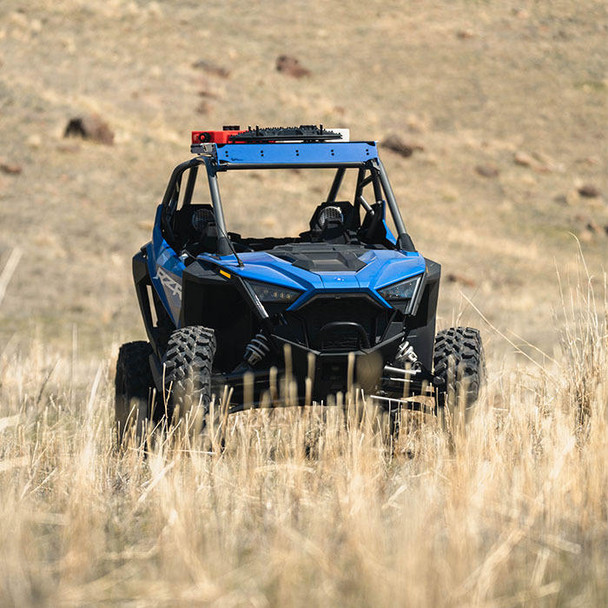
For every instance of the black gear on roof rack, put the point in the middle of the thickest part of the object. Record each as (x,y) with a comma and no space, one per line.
(302,133)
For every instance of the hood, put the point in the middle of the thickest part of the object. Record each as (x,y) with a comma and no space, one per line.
(321,267)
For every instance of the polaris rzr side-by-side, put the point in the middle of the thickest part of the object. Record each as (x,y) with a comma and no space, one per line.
(347,302)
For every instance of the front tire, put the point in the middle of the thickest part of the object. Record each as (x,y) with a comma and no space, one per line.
(188,364)
(459,371)
(133,390)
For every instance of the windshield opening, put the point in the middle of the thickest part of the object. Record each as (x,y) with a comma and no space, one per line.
(279,203)
(263,209)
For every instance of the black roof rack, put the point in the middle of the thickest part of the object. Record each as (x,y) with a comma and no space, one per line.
(302,133)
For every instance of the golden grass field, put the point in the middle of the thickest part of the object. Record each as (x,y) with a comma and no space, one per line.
(314,507)
(310,507)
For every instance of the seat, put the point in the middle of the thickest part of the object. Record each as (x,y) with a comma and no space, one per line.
(373,229)
(333,222)
(195,228)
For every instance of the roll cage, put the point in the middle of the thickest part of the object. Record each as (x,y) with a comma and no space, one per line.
(217,158)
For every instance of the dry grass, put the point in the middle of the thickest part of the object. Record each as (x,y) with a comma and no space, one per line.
(473,83)
(305,507)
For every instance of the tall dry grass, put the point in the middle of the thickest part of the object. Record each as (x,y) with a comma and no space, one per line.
(310,507)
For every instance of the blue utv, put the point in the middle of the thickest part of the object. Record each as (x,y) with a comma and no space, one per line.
(347,302)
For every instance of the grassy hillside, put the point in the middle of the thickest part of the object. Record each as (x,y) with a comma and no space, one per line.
(474,84)
(309,507)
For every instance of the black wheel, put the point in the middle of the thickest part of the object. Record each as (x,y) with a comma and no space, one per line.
(188,363)
(133,390)
(459,369)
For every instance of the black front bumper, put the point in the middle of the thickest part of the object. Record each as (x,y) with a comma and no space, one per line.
(308,375)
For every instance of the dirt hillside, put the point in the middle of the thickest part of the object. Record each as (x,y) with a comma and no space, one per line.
(505,105)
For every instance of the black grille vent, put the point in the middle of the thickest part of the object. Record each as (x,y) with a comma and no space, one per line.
(343,324)
(341,338)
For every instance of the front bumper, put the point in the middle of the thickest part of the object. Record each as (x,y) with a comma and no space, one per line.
(308,375)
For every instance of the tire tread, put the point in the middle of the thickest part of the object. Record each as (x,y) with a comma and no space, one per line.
(133,382)
(459,364)
(188,364)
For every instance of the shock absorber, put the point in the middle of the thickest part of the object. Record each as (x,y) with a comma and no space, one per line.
(406,355)
(257,349)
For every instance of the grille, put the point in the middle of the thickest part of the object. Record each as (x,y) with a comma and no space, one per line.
(341,338)
(342,324)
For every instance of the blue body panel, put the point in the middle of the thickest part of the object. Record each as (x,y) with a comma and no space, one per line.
(165,269)
(383,268)
(296,153)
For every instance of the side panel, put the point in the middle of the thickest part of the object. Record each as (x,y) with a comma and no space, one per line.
(142,281)
(165,269)
(156,320)
(421,327)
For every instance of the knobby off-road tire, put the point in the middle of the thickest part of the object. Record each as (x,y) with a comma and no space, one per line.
(133,391)
(460,371)
(188,364)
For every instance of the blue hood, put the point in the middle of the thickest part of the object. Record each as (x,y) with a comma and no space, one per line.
(380,268)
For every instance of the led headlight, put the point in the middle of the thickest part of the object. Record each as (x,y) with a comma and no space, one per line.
(401,295)
(267,292)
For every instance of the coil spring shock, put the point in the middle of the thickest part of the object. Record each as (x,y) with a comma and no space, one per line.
(257,349)
(406,355)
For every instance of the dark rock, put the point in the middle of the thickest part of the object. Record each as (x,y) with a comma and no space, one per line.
(589,191)
(204,107)
(394,143)
(91,127)
(520,13)
(465,34)
(523,159)
(206,92)
(211,68)
(487,170)
(594,227)
(290,66)
(536,161)
(10,168)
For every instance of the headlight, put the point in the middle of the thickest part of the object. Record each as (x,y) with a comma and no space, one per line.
(401,295)
(274,293)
